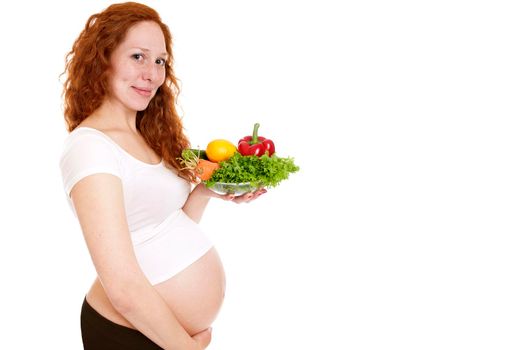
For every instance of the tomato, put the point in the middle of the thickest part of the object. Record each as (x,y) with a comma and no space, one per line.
(220,150)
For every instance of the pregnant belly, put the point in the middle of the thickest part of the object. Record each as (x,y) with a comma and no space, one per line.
(195,294)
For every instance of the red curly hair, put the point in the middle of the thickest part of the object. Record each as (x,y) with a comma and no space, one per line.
(86,84)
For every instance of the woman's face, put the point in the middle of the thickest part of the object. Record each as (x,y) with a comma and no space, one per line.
(137,66)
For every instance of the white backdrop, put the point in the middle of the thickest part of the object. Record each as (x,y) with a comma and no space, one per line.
(403,229)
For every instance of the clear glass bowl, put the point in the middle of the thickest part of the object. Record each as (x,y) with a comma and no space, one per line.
(233,188)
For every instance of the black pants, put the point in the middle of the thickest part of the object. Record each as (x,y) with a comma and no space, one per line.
(99,333)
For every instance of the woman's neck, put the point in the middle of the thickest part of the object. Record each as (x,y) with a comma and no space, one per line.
(111,116)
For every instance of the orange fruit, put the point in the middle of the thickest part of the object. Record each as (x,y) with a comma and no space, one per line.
(220,150)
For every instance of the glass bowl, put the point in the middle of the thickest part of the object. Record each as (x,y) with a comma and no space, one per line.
(233,188)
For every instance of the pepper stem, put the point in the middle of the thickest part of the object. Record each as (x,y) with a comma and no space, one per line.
(255,137)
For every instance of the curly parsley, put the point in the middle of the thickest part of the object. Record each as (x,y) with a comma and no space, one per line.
(260,171)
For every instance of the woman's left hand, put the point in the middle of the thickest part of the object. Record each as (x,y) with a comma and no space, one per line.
(244,198)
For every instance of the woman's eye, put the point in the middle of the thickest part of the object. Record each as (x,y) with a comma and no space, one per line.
(161,61)
(137,56)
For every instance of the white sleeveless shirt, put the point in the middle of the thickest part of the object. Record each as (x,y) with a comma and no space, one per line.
(164,238)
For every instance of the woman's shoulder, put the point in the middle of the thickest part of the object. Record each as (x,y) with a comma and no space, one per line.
(85,140)
(86,135)
(87,151)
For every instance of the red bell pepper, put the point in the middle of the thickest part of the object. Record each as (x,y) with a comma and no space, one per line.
(255,145)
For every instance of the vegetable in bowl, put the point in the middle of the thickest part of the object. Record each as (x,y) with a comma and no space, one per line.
(197,161)
(257,171)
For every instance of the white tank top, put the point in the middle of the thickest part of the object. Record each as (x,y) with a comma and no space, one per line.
(164,238)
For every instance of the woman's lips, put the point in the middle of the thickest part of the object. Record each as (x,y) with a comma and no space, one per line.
(142,91)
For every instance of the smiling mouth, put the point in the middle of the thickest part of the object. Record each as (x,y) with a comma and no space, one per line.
(142,92)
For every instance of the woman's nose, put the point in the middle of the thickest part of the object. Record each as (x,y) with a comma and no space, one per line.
(150,72)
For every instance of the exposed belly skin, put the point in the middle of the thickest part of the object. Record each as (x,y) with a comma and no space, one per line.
(195,294)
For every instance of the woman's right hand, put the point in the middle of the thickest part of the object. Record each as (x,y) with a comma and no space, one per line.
(203,338)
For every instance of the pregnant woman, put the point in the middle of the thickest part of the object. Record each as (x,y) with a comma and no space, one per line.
(160,283)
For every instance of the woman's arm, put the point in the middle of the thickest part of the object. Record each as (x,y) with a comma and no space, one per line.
(98,201)
(197,202)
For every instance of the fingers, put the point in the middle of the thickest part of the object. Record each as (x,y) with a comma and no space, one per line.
(249,196)
(203,338)
(244,198)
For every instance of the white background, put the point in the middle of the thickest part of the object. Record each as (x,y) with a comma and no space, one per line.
(403,229)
